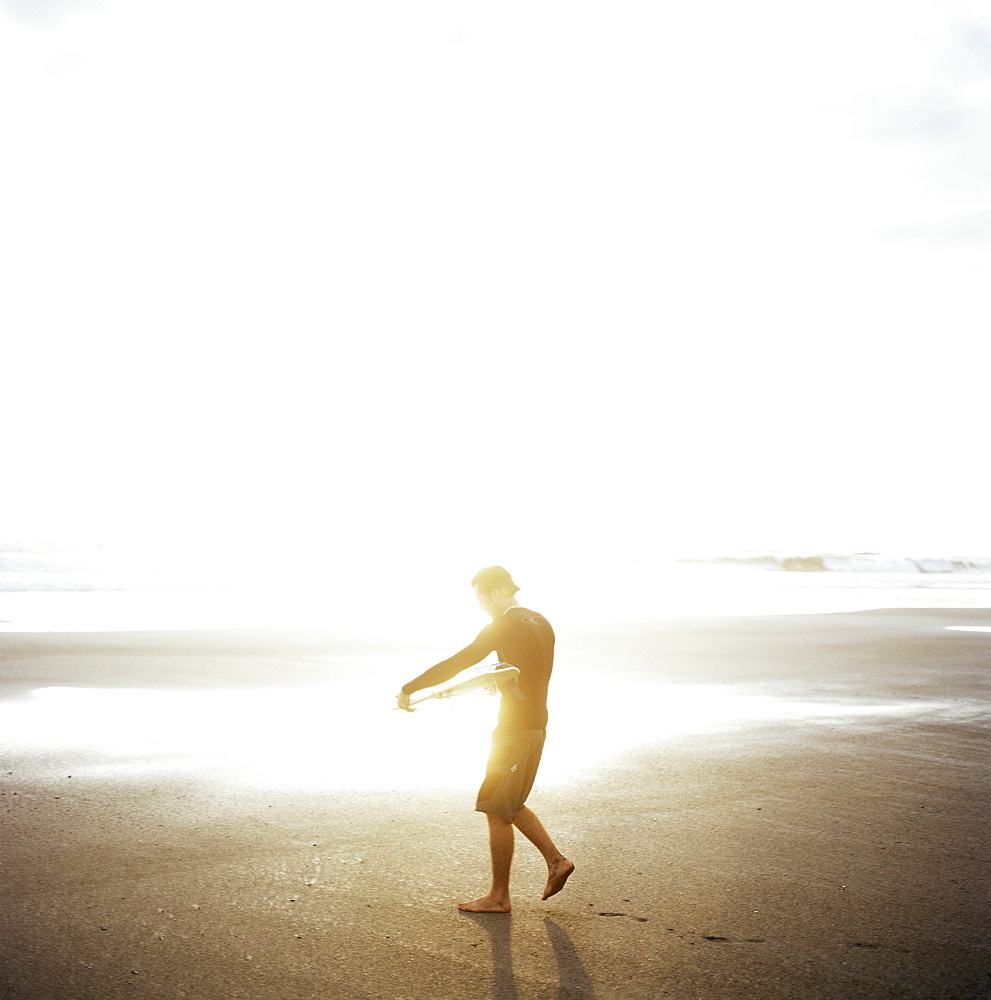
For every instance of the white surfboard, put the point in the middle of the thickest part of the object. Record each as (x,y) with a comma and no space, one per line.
(490,678)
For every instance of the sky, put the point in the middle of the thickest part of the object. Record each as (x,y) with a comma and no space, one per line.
(454,283)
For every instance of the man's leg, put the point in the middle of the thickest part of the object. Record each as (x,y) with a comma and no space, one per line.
(501,849)
(558,866)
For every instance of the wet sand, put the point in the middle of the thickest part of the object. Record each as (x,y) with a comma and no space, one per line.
(779,859)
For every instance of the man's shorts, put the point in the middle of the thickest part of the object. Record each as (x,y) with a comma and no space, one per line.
(509,773)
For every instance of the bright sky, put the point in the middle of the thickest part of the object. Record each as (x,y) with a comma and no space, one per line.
(475,281)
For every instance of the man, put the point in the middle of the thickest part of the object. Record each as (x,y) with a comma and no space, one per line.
(526,640)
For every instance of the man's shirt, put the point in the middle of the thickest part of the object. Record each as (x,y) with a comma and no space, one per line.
(520,637)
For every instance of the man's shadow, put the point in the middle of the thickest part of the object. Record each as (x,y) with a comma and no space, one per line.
(573,981)
(499,927)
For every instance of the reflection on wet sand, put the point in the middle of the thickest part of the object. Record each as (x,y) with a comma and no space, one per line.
(343,736)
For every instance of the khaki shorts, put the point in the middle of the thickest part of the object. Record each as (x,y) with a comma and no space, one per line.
(509,773)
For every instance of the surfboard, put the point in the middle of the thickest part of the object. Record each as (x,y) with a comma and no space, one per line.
(490,678)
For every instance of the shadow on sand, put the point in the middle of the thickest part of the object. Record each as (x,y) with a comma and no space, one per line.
(573,981)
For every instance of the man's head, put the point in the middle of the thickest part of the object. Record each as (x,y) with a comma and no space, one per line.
(494,589)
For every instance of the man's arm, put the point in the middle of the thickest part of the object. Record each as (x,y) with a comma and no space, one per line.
(473,653)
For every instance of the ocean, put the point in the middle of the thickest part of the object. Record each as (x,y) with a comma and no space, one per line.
(50,587)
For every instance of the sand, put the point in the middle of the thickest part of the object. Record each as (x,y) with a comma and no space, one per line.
(783,858)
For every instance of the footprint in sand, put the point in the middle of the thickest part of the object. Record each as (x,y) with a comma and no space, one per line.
(709,937)
(641,920)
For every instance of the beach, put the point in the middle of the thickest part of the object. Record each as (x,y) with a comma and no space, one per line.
(776,807)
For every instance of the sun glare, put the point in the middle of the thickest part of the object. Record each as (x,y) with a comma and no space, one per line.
(347,735)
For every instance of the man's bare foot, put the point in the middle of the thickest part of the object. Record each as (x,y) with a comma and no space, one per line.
(557,874)
(487,904)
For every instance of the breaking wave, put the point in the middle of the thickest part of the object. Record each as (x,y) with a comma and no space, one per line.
(860,562)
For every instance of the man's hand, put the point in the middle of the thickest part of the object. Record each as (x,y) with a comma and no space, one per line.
(402,701)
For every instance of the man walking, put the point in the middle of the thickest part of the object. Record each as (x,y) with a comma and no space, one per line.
(526,640)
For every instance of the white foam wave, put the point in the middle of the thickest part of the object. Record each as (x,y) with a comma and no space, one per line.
(861,562)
